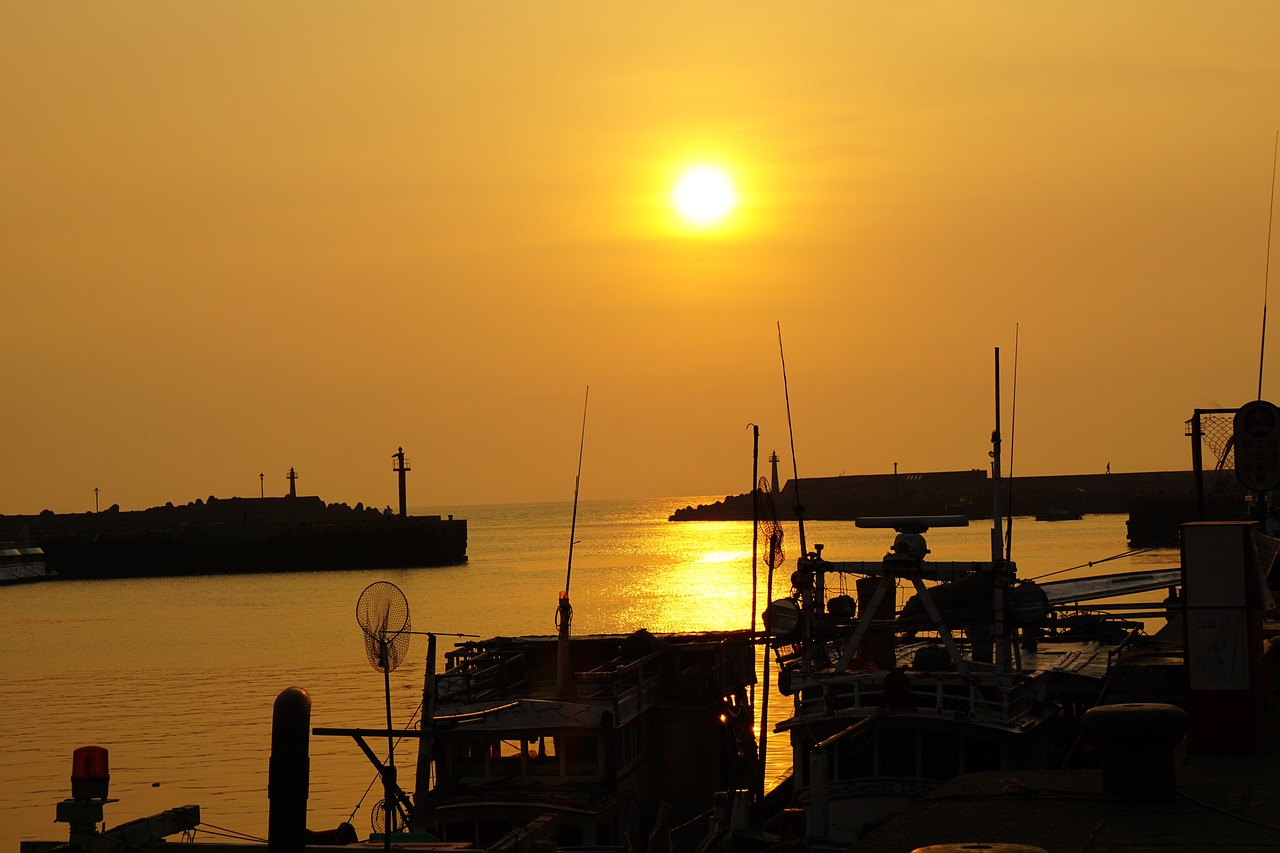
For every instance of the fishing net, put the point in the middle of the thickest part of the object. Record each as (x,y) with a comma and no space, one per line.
(1217,438)
(770,531)
(1217,448)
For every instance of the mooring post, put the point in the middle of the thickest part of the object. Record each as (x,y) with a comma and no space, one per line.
(289,774)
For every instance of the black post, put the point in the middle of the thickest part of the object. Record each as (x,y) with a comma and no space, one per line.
(402,467)
(1197,463)
(422,779)
(288,777)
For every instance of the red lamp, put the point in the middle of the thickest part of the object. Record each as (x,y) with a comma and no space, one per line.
(89,774)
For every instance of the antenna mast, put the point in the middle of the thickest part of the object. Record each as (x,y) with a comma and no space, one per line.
(795,471)
(1266,275)
(573,525)
(564,610)
(1013,422)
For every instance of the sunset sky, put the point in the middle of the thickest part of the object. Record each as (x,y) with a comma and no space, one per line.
(237,237)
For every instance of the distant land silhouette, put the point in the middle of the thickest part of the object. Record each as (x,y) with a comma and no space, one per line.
(1157,502)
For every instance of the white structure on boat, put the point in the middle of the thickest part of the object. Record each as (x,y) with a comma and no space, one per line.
(23,564)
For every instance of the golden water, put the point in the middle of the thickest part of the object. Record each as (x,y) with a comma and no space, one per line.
(177,677)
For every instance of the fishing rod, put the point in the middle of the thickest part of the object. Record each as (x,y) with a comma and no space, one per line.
(795,471)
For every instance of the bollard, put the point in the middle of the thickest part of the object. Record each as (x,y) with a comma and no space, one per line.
(290,772)
(1135,747)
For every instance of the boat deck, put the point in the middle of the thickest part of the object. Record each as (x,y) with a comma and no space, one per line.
(1223,802)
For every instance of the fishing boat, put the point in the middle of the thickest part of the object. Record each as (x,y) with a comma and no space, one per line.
(1059,514)
(645,732)
(23,563)
(891,698)
(595,739)
(651,737)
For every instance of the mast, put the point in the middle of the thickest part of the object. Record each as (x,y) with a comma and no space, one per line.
(795,470)
(998,564)
(1013,425)
(755,530)
(564,611)
(1266,275)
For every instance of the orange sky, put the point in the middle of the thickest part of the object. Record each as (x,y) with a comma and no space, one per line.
(237,237)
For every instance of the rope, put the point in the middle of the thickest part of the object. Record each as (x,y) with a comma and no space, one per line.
(223,832)
(1130,553)
(377,777)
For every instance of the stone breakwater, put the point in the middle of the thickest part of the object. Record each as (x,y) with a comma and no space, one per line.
(237,535)
(1156,501)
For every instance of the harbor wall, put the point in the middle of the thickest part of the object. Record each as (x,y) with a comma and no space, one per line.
(237,535)
(1156,501)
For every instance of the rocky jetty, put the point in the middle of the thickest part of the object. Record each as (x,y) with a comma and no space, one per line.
(237,535)
(1156,501)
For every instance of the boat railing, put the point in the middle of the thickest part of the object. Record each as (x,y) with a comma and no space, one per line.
(621,681)
(488,674)
(945,695)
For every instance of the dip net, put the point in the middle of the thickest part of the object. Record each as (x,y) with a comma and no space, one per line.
(1216,431)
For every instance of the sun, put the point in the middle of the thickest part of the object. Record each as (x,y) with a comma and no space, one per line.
(704,195)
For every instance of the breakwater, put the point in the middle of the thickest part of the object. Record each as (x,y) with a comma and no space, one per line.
(1157,502)
(237,535)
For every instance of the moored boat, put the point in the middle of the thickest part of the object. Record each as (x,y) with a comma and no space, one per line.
(647,724)
(23,563)
(1058,514)
(888,706)
(892,697)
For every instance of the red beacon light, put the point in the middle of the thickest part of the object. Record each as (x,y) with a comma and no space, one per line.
(89,774)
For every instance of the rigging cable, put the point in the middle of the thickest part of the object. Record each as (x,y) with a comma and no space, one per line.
(1130,553)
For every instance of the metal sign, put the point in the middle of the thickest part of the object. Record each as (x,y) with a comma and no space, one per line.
(1257,446)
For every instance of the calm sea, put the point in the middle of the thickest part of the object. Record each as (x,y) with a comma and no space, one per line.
(177,677)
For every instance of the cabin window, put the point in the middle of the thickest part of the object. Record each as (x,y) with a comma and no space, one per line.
(468,758)
(504,758)
(630,743)
(582,755)
(543,758)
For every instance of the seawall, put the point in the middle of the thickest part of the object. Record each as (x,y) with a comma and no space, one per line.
(237,535)
(1155,501)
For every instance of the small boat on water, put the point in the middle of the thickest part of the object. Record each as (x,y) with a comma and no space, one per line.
(1057,514)
(23,563)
